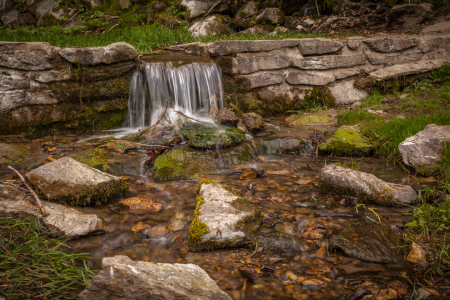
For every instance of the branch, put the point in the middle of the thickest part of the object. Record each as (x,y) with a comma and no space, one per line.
(179,112)
(38,202)
(214,6)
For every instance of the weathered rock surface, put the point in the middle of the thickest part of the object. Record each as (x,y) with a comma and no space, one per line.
(344,92)
(226,117)
(212,25)
(197,48)
(211,136)
(423,149)
(285,145)
(347,141)
(388,45)
(326,62)
(122,278)
(68,180)
(194,8)
(67,222)
(11,153)
(328,117)
(263,79)
(253,122)
(258,63)
(114,53)
(366,187)
(319,46)
(309,78)
(222,219)
(417,254)
(369,242)
(27,56)
(248,9)
(438,28)
(230,47)
(418,67)
(408,15)
(271,15)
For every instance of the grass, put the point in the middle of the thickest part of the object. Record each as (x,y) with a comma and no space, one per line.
(145,39)
(33,265)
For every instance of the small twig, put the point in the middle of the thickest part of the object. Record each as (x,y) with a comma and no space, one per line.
(38,202)
(16,186)
(214,6)
(72,18)
(178,112)
(112,27)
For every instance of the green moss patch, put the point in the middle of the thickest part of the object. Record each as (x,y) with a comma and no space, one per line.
(319,118)
(198,228)
(11,154)
(209,136)
(347,141)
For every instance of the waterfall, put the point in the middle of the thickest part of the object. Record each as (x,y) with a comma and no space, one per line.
(194,89)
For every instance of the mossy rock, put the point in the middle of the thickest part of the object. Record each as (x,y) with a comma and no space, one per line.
(204,136)
(320,118)
(11,154)
(347,141)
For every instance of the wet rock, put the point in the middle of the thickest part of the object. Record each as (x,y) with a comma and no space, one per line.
(366,187)
(205,136)
(67,222)
(156,231)
(326,62)
(212,25)
(158,131)
(285,145)
(11,154)
(222,219)
(248,175)
(370,242)
(139,205)
(347,141)
(114,53)
(271,15)
(317,46)
(78,184)
(438,28)
(196,48)
(139,227)
(423,150)
(176,225)
(122,278)
(328,117)
(226,117)
(313,282)
(406,16)
(417,254)
(253,122)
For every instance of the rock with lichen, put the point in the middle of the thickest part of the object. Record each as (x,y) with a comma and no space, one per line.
(328,117)
(253,122)
(206,136)
(347,141)
(222,219)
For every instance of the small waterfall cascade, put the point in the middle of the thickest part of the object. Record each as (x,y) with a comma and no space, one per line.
(193,89)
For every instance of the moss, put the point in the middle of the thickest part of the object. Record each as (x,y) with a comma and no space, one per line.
(198,228)
(315,118)
(387,86)
(209,137)
(347,141)
(18,155)
(319,96)
(253,221)
(205,181)
(97,159)
(170,165)
(49,20)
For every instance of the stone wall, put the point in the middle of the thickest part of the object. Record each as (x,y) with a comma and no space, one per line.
(42,86)
(272,76)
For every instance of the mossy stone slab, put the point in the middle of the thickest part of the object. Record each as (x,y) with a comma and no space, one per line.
(347,141)
(11,154)
(328,117)
(205,136)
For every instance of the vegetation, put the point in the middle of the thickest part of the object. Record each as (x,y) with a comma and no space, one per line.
(34,266)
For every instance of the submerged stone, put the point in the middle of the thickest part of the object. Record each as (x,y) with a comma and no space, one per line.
(11,154)
(78,184)
(139,205)
(347,141)
(122,278)
(328,117)
(211,136)
(366,187)
(222,219)
(285,145)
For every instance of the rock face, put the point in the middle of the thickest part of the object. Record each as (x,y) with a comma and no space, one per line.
(366,187)
(122,278)
(212,25)
(226,117)
(211,136)
(67,222)
(68,180)
(408,15)
(347,141)
(253,122)
(222,219)
(271,15)
(423,149)
(438,28)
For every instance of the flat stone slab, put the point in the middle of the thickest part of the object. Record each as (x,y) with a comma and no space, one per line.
(418,67)
(249,65)
(388,45)
(438,28)
(424,149)
(68,222)
(328,117)
(230,47)
(326,62)
(222,219)
(318,46)
(263,79)
(296,77)
(347,141)
(27,56)
(122,278)
(68,180)
(366,187)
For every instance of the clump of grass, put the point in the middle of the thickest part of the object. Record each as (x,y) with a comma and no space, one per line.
(33,265)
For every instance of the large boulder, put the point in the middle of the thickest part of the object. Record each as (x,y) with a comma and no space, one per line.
(222,219)
(423,150)
(67,222)
(347,141)
(114,53)
(406,16)
(253,122)
(271,15)
(205,136)
(212,25)
(11,153)
(68,180)
(122,278)
(366,187)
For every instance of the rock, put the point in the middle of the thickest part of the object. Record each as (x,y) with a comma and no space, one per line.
(209,136)
(385,294)
(222,219)
(317,46)
(366,187)
(196,48)
(285,145)
(271,15)
(158,131)
(249,8)
(78,184)
(229,47)
(139,227)
(309,78)
(139,205)
(45,7)
(262,79)
(353,44)
(10,154)
(399,70)
(212,25)
(356,105)
(328,117)
(422,294)
(67,222)
(114,53)
(226,117)
(279,30)
(438,28)
(417,254)
(194,8)
(423,150)
(258,63)
(402,17)
(242,127)
(124,4)
(156,231)
(369,242)
(253,122)
(258,29)
(176,225)
(309,23)
(122,278)
(27,56)
(388,45)
(329,62)
(347,141)
(345,92)
(312,282)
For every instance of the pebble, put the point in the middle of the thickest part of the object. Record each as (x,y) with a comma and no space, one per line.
(417,254)
(356,105)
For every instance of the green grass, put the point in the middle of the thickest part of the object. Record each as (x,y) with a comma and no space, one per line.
(144,38)
(33,265)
